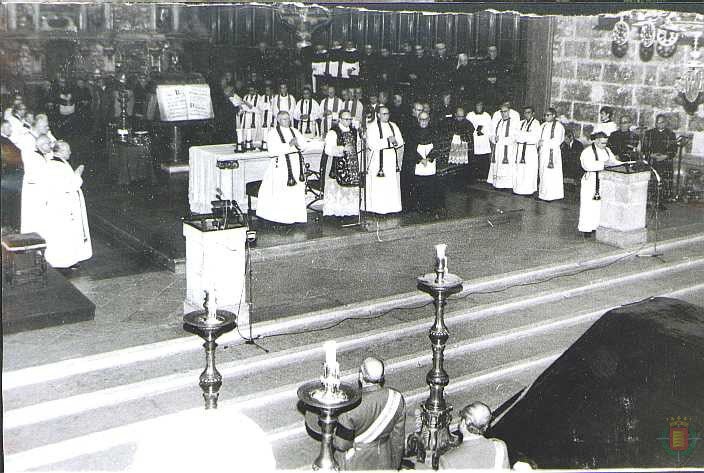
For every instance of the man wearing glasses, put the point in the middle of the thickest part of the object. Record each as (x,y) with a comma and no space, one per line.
(342,143)
(383,195)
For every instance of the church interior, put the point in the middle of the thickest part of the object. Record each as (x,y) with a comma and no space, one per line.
(166,195)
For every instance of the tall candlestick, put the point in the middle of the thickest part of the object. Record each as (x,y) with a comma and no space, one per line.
(330,352)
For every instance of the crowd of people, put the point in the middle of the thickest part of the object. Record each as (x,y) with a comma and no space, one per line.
(397,145)
(45,190)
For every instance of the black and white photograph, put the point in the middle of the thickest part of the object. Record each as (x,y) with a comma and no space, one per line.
(404,235)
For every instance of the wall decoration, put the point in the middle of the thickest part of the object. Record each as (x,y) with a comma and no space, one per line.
(619,38)
(647,40)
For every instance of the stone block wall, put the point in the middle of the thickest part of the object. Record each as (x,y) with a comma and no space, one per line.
(586,76)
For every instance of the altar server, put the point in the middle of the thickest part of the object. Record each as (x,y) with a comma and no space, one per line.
(249,119)
(350,62)
(481,121)
(513,115)
(593,159)
(552,134)
(526,178)
(66,230)
(355,107)
(282,193)
(266,109)
(383,191)
(606,123)
(503,164)
(307,114)
(343,144)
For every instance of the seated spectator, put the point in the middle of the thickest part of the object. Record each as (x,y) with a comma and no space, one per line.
(476,451)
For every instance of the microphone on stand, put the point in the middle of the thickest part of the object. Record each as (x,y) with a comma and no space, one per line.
(655,253)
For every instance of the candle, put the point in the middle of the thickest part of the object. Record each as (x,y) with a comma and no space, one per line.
(212,305)
(330,349)
(440,258)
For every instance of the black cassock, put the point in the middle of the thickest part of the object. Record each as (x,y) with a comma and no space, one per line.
(422,193)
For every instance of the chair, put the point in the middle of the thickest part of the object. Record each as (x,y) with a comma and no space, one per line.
(252,190)
(24,243)
(313,186)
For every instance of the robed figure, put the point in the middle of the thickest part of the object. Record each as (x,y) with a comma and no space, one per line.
(383,191)
(282,193)
(249,120)
(429,192)
(306,115)
(552,134)
(35,182)
(66,230)
(593,159)
(343,146)
(526,178)
(503,164)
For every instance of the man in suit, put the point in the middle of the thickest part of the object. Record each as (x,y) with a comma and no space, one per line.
(372,435)
(476,451)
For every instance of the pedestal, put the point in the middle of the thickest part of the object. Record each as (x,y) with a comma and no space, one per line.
(624,197)
(216,259)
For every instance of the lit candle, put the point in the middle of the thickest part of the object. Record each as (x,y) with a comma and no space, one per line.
(330,352)
(440,258)
(212,305)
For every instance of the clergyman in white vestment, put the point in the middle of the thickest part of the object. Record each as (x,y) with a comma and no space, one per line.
(383,187)
(552,134)
(593,159)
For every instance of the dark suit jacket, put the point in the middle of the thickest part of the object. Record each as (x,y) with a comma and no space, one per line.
(477,453)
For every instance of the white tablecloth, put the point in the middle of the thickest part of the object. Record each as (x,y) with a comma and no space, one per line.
(205,178)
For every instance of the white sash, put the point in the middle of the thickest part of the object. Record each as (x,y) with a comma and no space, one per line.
(382,421)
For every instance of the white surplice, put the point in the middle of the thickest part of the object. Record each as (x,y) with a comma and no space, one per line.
(503,164)
(330,109)
(525,181)
(249,119)
(34,196)
(277,201)
(339,201)
(607,127)
(66,231)
(383,194)
(308,126)
(551,186)
(593,160)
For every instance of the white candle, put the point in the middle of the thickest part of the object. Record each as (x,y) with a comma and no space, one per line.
(441,259)
(330,352)
(212,305)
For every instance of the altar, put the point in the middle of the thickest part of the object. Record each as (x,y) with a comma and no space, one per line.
(233,173)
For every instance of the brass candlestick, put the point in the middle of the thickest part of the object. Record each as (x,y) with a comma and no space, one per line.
(209,324)
(434,434)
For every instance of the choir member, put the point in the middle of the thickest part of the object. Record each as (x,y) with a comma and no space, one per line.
(283,101)
(355,107)
(606,125)
(383,192)
(330,107)
(482,145)
(249,119)
(307,114)
(552,134)
(526,177)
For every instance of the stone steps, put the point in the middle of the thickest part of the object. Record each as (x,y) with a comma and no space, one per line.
(499,342)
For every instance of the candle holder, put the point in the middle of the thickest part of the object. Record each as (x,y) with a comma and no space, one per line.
(315,396)
(433,434)
(209,325)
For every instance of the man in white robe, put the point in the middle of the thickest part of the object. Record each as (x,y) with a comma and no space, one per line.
(342,143)
(307,114)
(354,106)
(593,159)
(483,128)
(266,111)
(20,127)
(503,163)
(283,101)
(526,177)
(606,123)
(282,193)
(513,115)
(66,230)
(35,182)
(383,189)
(330,107)
(249,119)
(552,134)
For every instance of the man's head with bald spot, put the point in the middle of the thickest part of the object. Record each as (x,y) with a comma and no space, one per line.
(44,144)
(475,418)
(371,372)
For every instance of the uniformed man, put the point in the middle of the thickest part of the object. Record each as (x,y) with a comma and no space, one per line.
(372,435)
(623,142)
(476,451)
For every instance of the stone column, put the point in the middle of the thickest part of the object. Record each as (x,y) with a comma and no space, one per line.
(623,205)
(11,16)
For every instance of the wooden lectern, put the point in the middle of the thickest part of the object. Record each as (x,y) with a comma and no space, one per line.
(624,195)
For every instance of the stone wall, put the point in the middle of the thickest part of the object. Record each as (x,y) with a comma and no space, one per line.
(586,76)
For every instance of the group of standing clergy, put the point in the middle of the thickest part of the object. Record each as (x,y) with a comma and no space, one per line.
(50,195)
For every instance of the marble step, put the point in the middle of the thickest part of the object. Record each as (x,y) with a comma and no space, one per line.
(258,402)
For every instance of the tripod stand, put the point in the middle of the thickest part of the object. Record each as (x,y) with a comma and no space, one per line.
(655,253)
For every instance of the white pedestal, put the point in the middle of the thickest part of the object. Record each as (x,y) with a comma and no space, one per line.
(216,259)
(623,208)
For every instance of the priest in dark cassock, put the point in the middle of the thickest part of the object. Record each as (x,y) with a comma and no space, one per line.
(659,148)
(424,148)
(343,148)
(319,66)
(461,133)
(571,150)
(349,70)
(624,143)
(12,174)
(282,193)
